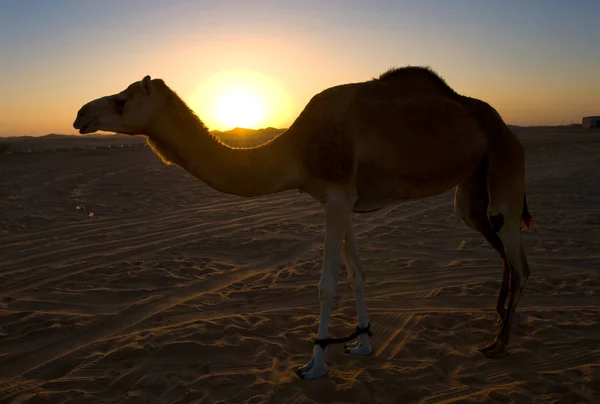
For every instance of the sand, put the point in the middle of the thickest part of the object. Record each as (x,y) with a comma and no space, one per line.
(125,280)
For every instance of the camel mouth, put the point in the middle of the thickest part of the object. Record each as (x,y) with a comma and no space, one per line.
(85,129)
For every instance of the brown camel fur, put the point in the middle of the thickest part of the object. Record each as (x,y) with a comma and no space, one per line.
(355,148)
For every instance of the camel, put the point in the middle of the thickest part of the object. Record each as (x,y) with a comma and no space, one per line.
(355,148)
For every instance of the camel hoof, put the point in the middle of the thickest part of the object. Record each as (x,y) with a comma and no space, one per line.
(357,348)
(312,370)
(313,373)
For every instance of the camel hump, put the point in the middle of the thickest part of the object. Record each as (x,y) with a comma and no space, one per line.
(417,77)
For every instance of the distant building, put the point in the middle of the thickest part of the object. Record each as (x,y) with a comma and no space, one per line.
(590,122)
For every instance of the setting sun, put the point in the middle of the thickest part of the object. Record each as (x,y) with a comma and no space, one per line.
(241,98)
(239,107)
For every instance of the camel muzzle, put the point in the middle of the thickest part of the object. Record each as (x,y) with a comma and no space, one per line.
(81,123)
(91,112)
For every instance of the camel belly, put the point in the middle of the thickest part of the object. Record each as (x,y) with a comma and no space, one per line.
(375,195)
(380,185)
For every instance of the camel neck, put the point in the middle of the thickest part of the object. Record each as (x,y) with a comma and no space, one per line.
(178,136)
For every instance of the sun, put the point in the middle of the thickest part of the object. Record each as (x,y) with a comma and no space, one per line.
(241,98)
(239,107)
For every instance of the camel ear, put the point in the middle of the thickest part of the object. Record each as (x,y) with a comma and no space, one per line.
(147,85)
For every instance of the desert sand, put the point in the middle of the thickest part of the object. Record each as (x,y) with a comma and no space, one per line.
(126,280)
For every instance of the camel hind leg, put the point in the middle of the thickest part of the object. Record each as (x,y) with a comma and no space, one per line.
(506,190)
(471,206)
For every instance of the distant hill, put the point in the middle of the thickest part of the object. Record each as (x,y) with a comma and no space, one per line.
(61,143)
(576,127)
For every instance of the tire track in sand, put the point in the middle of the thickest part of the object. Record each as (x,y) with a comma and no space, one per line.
(169,225)
(563,360)
(390,347)
(31,365)
(115,224)
(145,243)
(107,327)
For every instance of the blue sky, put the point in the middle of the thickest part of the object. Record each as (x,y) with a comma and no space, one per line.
(536,61)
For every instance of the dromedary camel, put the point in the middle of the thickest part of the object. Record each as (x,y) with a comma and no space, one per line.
(355,148)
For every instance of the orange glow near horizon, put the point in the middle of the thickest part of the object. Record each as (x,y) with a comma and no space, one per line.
(258,65)
(241,98)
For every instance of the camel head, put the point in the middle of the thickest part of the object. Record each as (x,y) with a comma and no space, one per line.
(129,111)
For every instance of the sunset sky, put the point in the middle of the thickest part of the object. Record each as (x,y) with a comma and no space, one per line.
(536,61)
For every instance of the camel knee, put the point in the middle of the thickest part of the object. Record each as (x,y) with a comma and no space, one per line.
(352,274)
(327,287)
(355,274)
(353,266)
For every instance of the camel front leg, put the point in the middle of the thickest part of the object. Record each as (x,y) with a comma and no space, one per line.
(337,216)
(356,276)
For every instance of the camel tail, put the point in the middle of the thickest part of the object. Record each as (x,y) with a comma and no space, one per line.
(526,218)
(499,134)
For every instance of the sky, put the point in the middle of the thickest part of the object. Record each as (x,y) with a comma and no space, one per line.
(536,61)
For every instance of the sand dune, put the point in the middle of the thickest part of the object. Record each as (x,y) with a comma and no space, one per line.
(172,292)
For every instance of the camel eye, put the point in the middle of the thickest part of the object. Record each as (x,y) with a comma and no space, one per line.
(120,104)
